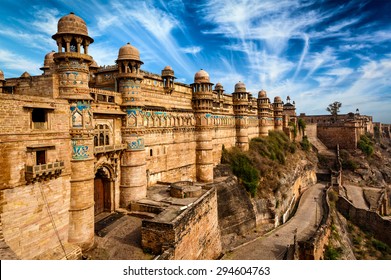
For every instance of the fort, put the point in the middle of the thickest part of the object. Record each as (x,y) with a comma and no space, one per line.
(82,140)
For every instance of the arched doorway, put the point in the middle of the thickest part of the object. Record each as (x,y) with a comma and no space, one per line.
(102,191)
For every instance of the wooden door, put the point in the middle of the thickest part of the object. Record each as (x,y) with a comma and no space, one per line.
(99,196)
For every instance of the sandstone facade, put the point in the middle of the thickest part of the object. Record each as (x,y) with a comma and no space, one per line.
(81,139)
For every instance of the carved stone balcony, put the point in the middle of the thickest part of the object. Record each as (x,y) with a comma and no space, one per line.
(43,171)
(109,148)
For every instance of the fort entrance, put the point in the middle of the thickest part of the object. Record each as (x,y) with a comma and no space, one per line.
(103,188)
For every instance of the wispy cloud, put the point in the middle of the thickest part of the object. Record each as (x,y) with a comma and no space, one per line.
(191,50)
(18,64)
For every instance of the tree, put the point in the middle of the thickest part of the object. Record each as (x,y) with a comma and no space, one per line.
(301,123)
(333,108)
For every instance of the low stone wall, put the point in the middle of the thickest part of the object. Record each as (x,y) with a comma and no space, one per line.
(312,249)
(367,220)
(194,234)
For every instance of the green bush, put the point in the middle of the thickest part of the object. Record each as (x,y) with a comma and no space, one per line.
(365,144)
(350,165)
(305,144)
(242,168)
(380,246)
(274,147)
(332,253)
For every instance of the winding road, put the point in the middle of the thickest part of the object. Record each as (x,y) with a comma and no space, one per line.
(272,245)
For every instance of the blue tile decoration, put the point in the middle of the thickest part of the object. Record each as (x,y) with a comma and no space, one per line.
(79,152)
(136,145)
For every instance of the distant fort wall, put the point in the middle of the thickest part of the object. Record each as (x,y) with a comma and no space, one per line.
(367,220)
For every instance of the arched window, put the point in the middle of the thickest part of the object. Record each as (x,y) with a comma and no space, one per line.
(73,46)
(103,134)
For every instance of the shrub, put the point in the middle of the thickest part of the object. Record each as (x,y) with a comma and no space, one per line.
(332,253)
(365,144)
(380,246)
(350,165)
(274,146)
(242,168)
(305,144)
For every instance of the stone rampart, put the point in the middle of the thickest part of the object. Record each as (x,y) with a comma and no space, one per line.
(367,220)
(312,249)
(331,135)
(34,216)
(193,234)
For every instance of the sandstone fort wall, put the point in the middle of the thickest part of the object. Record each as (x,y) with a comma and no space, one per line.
(367,220)
(194,234)
(345,136)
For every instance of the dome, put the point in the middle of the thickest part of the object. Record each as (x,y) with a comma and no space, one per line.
(167,68)
(2,76)
(240,87)
(201,77)
(277,99)
(219,86)
(262,94)
(71,24)
(128,52)
(94,65)
(25,75)
(49,59)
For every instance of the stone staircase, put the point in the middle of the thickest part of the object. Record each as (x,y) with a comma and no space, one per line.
(320,147)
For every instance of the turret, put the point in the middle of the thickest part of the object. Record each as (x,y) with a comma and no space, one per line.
(2,81)
(129,76)
(168,79)
(72,67)
(48,64)
(72,59)
(133,165)
(240,107)
(277,111)
(265,114)
(220,94)
(202,102)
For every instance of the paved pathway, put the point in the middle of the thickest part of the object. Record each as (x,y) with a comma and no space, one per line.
(273,244)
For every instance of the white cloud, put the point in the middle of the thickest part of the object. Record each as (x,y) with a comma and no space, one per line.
(191,50)
(17,64)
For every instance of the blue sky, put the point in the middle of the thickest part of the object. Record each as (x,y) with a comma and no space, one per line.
(317,52)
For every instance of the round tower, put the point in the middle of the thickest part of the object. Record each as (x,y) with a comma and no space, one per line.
(133,165)
(168,79)
(240,107)
(219,89)
(265,114)
(202,105)
(93,69)
(71,64)
(2,81)
(277,113)
(72,59)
